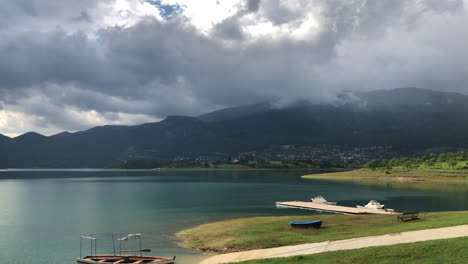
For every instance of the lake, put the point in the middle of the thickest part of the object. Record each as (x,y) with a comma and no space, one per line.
(44,212)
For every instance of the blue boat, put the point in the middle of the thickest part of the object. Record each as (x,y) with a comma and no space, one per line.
(316,224)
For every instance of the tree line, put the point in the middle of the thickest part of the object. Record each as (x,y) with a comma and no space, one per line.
(433,160)
(248,161)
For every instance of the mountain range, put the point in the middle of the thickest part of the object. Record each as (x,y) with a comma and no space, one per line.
(406,117)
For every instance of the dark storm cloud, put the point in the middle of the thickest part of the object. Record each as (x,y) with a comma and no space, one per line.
(30,58)
(253,5)
(24,14)
(157,68)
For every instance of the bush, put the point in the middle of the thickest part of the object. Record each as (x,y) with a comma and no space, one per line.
(373,164)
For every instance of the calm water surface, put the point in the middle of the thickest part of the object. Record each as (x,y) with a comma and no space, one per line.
(43,213)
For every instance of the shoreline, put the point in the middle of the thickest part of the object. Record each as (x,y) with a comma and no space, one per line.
(399,176)
(172,169)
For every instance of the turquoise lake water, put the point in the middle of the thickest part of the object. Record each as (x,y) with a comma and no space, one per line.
(43,213)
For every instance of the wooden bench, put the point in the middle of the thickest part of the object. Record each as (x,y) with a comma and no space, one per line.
(408,216)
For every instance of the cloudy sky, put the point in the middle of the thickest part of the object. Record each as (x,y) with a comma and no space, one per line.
(70,65)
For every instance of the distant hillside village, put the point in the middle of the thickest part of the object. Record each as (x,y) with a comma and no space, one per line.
(303,156)
(314,153)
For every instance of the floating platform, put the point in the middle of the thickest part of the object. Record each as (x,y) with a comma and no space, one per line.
(332,208)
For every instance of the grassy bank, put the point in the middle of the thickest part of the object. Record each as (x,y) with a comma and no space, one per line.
(438,251)
(266,232)
(399,175)
(451,186)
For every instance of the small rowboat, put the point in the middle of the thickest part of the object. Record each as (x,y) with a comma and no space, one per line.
(316,224)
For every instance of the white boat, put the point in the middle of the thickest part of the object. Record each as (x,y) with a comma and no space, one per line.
(373,204)
(319,199)
(117,240)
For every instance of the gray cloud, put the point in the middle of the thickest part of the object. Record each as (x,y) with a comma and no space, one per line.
(229,29)
(84,17)
(253,5)
(52,57)
(41,14)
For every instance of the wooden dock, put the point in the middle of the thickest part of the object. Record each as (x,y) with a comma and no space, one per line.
(332,208)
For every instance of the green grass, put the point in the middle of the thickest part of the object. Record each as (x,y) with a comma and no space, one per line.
(266,232)
(397,174)
(275,162)
(429,252)
(431,179)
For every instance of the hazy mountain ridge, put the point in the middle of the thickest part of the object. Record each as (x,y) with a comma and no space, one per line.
(235,112)
(4,138)
(401,117)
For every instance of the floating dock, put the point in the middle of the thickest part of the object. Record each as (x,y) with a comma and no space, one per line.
(332,208)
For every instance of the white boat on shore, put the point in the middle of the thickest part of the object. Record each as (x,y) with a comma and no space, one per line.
(319,199)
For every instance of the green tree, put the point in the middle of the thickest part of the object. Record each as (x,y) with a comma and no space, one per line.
(430,162)
(452,163)
(417,161)
(408,164)
(383,163)
(373,164)
(403,160)
(393,162)
(462,156)
(443,157)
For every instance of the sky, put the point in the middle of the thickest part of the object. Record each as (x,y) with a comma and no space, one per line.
(71,65)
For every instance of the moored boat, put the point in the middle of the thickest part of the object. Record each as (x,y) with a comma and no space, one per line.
(319,199)
(316,224)
(117,240)
(373,204)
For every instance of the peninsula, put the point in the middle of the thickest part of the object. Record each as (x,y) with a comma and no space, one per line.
(442,168)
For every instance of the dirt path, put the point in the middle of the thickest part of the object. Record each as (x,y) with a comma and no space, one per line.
(354,243)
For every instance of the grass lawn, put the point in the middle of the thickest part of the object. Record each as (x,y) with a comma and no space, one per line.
(266,232)
(437,251)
